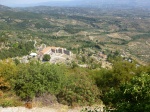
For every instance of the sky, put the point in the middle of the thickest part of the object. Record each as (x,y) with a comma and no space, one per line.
(18,2)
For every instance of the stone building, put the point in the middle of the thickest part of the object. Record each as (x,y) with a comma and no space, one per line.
(51,50)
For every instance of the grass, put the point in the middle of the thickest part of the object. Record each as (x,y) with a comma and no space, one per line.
(9,99)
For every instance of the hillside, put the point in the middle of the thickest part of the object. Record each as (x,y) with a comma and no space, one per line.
(71,58)
(4,8)
(123,30)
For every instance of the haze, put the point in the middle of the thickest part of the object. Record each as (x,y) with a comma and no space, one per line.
(84,3)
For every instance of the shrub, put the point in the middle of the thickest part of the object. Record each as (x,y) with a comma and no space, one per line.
(80,90)
(3,85)
(46,57)
(35,78)
(8,71)
(133,96)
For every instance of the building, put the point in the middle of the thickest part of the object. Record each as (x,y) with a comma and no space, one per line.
(33,54)
(51,50)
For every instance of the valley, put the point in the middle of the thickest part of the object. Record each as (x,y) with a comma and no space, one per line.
(80,29)
(75,59)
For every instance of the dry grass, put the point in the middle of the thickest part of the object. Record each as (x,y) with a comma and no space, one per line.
(47,109)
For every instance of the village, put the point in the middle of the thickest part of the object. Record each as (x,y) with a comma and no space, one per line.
(61,55)
(57,54)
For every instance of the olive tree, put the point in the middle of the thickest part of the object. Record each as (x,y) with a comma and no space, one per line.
(46,57)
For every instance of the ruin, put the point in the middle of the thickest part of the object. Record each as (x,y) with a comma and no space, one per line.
(51,50)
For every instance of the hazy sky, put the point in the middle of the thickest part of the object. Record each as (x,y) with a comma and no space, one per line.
(16,2)
(20,3)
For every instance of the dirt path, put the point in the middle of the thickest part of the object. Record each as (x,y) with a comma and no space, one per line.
(44,109)
(50,109)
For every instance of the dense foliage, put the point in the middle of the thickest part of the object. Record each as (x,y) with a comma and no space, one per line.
(71,86)
(46,57)
(133,96)
(121,72)
(17,49)
(78,86)
(80,90)
(35,79)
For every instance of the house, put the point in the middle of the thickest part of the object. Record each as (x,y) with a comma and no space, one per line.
(33,54)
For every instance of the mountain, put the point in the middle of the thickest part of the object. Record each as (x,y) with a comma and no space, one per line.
(85,3)
(4,8)
(99,3)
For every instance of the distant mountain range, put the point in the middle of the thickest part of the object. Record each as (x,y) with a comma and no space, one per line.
(4,8)
(99,3)
(91,3)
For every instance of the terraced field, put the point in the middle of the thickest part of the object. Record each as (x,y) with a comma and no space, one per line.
(123,30)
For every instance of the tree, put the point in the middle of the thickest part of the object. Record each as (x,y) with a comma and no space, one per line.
(123,71)
(46,57)
(134,96)
(35,78)
(16,61)
(8,71)
(80,89)
(74,64)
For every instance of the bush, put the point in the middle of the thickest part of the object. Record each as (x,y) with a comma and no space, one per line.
(3,85)
(80,90)
(46,57)
(35,78)
(133,96)
(120,73)
(8,72)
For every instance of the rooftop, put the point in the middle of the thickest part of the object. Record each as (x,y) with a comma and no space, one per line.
(48,48)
